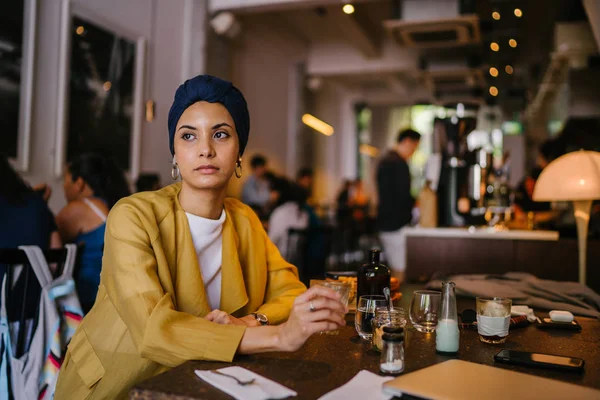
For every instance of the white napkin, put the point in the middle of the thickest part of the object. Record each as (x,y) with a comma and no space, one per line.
(364,385)
(515,311)
(261,389)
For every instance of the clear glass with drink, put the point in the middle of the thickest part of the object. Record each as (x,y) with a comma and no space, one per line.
(365,312)
(424,310)
(343,288)
(493,319)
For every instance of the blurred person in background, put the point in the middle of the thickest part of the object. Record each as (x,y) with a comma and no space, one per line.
(255,191)
(394,210)
(358,201)
(344,212)
(305,178)
(92,185)
(293,212)
(290,213)
(24,220)
(524,193)
(147,183)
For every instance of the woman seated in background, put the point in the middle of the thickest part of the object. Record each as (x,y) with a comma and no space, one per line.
(305,249)
(92,185)
(289,214)
(188,274)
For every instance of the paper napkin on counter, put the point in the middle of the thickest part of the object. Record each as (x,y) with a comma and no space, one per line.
(261,389)
(364,385)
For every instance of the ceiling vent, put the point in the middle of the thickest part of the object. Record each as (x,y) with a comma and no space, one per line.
(433,23)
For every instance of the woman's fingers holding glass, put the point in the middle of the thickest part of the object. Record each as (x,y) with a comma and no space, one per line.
(325,315)
(321,303)
(317,291)
(322,326)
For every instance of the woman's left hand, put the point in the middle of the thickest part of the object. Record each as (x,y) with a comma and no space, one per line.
(221,317)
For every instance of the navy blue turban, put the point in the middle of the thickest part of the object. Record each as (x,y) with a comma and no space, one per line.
(213,90)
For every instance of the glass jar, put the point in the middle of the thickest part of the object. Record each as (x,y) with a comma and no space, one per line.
(394,318)
(392,355)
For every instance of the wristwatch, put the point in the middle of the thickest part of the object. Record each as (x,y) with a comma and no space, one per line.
(261,318)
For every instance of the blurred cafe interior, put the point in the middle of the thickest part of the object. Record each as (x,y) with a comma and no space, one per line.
(259,199)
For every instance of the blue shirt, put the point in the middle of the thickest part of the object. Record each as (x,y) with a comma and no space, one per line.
(255,192)
(28,223)
(88,277)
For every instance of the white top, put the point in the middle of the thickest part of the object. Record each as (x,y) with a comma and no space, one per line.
(207,235)
(283,218)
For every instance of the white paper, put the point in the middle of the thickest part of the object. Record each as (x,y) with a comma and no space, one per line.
(261,389)
(364,385)
(493,326)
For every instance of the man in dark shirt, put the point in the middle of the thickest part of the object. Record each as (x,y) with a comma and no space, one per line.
(394,210)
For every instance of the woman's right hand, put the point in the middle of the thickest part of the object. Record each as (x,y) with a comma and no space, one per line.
(316,310)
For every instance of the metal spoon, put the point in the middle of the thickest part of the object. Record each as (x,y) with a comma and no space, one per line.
(388,297)
(239,381)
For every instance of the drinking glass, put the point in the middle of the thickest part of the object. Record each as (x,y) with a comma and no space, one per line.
(493,319)
(365,312)
(424,309)
(343,288)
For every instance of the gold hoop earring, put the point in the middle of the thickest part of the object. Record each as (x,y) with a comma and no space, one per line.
(238,164)
(175,171)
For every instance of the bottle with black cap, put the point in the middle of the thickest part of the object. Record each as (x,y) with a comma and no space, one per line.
(392,354)
(372,277)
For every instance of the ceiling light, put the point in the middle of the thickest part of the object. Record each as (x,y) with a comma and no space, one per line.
(512,43)
(80,30)
(493,72)
(494,46)
(518,13)
(107,85)
(496,15)
(368,150)
(494,91)
(317,124)
(509,69)
(348,8)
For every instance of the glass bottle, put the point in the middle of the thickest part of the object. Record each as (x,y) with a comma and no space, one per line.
(447,334)
(372,277)
(392,354)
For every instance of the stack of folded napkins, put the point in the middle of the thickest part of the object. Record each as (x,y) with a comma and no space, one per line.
(261,389)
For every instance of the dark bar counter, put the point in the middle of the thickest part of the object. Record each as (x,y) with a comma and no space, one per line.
(329,361)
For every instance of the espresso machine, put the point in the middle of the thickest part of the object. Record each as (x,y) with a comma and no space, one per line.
(450,140)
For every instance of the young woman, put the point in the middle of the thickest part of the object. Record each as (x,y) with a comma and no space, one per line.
(188,274)
(92,185)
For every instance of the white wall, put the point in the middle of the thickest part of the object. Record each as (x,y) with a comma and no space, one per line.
(262,66)
(161,22)
(335,156)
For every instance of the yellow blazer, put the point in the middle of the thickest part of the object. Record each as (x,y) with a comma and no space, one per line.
(148,315)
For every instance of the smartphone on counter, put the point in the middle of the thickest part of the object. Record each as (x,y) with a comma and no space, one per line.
(539,360)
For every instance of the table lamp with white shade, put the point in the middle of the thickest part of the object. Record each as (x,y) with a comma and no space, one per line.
(573,177)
